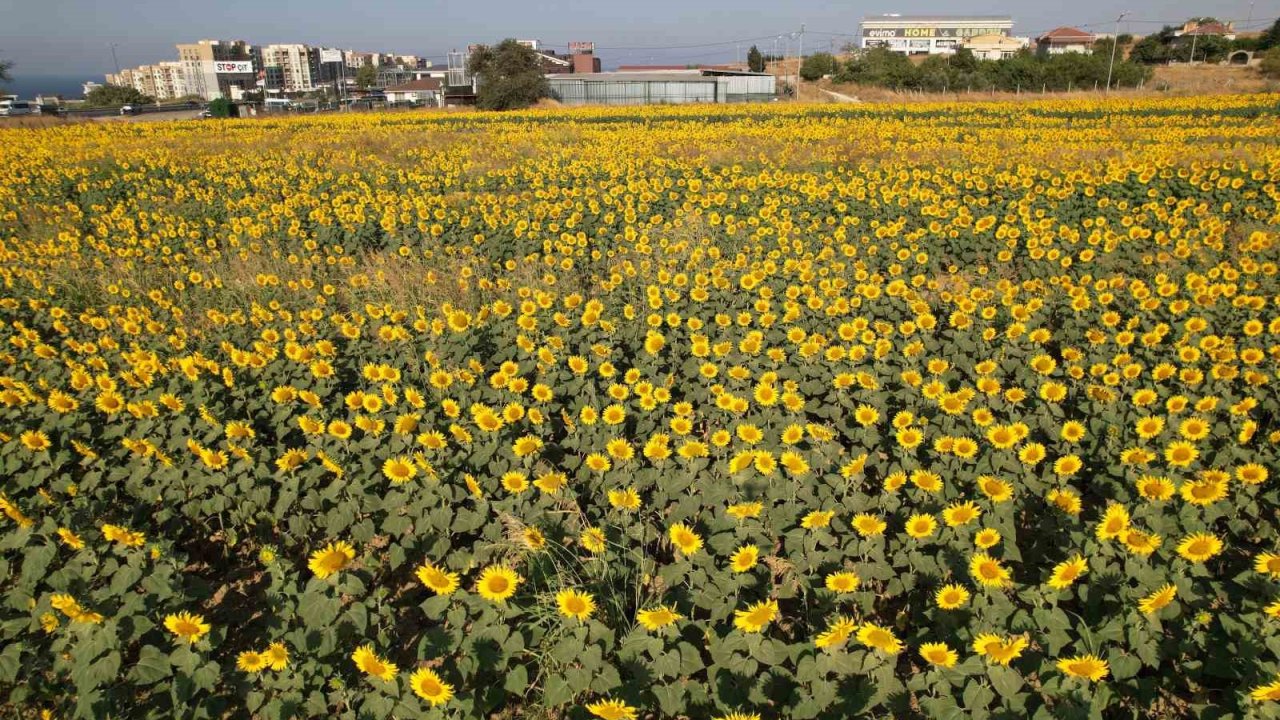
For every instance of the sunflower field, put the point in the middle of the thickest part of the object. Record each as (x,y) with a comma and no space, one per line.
(953,411)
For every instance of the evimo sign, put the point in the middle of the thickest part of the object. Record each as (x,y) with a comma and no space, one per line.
(232,66)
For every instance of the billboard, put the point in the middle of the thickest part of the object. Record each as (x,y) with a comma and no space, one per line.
(581,47)
(937,31)
(330,55)
(233,66)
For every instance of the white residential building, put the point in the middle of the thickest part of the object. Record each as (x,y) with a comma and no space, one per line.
(295,70)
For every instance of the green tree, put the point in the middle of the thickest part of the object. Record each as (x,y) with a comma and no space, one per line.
(1270,66)
(510,76)
(220,108)
(1151,50)
(366,76)
(115,96)
(755,61)
(5,67)
(1270,37)
(817,65)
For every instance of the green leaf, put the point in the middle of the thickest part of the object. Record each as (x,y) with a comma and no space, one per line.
(556,692)
(152,666)
(1006,681)
(517,680)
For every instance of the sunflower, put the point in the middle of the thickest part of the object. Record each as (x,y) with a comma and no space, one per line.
(1267,693)
(837,633)
(332,558)
(756,616)
(744,558)
(399,469)
(656,618)
(35,441)
(276,655)
(1157,600)
(957,514)
(188,627)
(624,499)
(1115,521)
(938,654)
(370,664)
(439,580)
(497,583)
(612,710)
(951,597)
(1067,572)
(1199,547)
(575,605)
(999,650)
(251,662)
(593,540)
(988,571)
(843,582)
(738,716)
(685,539)
(1089,667)
(1268,563)
(868,525)
(921,526)
(880,638)
(427,685)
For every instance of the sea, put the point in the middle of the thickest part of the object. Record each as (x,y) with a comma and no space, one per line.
(26,87)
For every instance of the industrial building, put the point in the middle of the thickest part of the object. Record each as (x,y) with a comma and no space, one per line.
(658,88)
(929,34)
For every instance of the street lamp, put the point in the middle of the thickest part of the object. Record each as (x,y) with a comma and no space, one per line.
(1115,41)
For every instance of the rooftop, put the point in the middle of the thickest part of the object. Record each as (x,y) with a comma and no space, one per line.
(1066,34)
(936,18)
(670,76)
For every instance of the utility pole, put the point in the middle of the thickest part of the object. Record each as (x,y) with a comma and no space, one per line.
(113,58)
(1115,42)
(1195,35)
(799,62)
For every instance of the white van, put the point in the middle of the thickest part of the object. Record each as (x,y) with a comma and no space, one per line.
(16,107)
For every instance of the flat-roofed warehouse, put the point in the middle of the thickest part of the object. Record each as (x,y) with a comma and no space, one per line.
(657,88)
(929,34)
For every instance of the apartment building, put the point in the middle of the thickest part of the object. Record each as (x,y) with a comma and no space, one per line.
(162,81)
(292,68)
(219,68)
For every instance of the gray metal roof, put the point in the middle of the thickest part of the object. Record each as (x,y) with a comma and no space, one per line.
(936,18)
(675,76)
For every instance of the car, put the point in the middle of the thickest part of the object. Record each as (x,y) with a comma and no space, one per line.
(13,108)
(205,114)
(130,109)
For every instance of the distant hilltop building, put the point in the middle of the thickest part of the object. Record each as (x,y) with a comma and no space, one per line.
(929,34)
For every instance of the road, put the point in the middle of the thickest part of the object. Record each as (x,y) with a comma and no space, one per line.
(841,97)
(151,116)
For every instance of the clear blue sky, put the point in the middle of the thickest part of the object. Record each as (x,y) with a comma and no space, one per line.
(73,37)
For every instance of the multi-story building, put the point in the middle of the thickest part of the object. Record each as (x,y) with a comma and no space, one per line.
(162,81)
(291,68)
(214,69)
(929,34)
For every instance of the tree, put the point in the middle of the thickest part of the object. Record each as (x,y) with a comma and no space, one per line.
(220,108)
(510,76)
(366,76)
(1150,50)
(5,67)
(755,61)
(1270,37)
(115,96)
(1270,66)
(817,65)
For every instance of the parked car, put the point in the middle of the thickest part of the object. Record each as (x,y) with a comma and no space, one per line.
(12,108)
(130,109)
